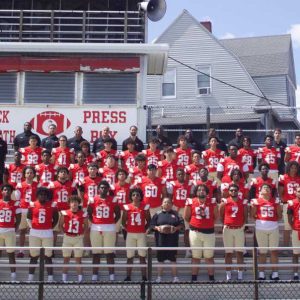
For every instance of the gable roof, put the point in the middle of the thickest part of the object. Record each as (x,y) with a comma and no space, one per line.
(264,55)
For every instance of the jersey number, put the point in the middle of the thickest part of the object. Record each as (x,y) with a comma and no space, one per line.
(102,212)
(5,216)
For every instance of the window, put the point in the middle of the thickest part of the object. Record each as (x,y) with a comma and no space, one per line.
(169,83)
(203,81)
(8,87)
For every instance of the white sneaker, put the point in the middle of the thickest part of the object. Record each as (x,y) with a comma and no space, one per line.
(94,277)
(188,254)
(228,276)
(50,278)
(240,275)
(175,279)
(111,277)
(13,276)
(158,279)
(30,278)
(80,278)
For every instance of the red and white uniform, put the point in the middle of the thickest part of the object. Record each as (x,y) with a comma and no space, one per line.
(42,214)
(168,169)
(202,215)
(193,170)
(152,190)
(61,193)
(128,159)
(74,222)
(266,209)
(294,153)
(294,206)
(90,188)
(8,212)
(269,156)
(26,193)
(103,154)
(243,189)
(211,184)
(248,157)
(77,172)
(103,210)
(258,182)
(31,157)
(90,158)
(152,157)
(234,212)
(290,185)
(136,173)
(227,164)
(46,173)
(183,157)
(212,158)
(109,174)
(62,156)
(121,193)
(136,218)
(15,173)
(180,192)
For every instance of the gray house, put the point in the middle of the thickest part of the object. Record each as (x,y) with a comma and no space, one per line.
(251,82)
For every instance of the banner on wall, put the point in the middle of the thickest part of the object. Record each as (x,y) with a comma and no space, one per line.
(92,121)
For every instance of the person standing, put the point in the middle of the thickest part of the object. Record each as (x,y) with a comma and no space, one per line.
(51,141)
(22,139)
(139,145)
(281,146)
(238,140)
(74,142)
(164,142)
(98,144)
(3,153)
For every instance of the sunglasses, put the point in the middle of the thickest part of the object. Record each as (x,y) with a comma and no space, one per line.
(233,191)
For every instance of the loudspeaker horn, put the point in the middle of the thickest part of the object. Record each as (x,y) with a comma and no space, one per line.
(155,9)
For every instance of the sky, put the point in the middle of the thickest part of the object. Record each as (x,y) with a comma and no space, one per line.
(240,18)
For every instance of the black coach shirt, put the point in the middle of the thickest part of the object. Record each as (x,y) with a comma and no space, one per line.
(22,140)
(50,142)
(74,143)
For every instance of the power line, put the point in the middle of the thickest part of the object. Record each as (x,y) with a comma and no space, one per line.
(228,84)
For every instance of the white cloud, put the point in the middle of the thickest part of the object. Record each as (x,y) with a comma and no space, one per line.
(295,32)
(228,35)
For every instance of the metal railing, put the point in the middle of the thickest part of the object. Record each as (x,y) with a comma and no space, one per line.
(72,26)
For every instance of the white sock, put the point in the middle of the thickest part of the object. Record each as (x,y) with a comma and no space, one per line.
(64,277)
(50,278)
(111,277)
(295,274)
(261,274)
(240,274)
(228,275)
(94,277)
(13,275)
(274,274)
(30,277)
(80,278)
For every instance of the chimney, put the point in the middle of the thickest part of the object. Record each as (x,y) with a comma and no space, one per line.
(207,25)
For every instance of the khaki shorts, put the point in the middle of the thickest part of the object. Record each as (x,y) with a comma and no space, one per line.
(8,239)
(72,241)
(180,213)
(233,238)
(287,225)
(199,239)
(154,210)
(136,240)
(103,239)
(35,241)
(23,223)
(267,238)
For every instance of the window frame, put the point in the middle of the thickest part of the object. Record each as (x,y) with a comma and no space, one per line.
(199,67)
(175,85)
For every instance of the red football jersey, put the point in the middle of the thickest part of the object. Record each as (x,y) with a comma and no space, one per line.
(74,221)
(103,210)
(153,157)
(46,173)
(183,157)
(62,156)
(248,157)
(211,184)
(168,169)
(90,158)
(228,164)
(15,173)
(294,152)
(269,156)
(42,214)
(193,171)
(26,193)
(77,172)
(121,193)
(102,156)
(8,212)
(180,192)
(109,174)
(234,212)
(136,218)
(290,185)
(128,159)
(258,183)
(152,190)
(294,206)
(31,157)
(61,193)
(202,215)
(266,209)
(136,173)
(90,186)
(212,158)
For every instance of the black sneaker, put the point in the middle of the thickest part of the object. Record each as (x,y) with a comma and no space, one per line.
(127,278)
(194,278)
(296,277)
(211,277)
(261,278)
(144,278)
